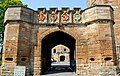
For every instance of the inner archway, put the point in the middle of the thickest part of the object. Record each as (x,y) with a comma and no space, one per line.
(50,41)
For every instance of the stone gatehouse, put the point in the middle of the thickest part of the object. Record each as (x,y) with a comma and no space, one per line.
(88,34)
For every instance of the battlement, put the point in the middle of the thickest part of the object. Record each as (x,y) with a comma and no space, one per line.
(66,16)
(55,16)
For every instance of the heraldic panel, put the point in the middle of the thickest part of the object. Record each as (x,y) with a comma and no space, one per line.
(55,16)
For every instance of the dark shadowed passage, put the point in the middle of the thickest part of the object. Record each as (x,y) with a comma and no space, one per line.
(52,40)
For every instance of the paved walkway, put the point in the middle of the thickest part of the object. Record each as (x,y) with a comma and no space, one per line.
(59,69)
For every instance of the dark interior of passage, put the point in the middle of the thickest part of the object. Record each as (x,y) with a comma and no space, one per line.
(52,40)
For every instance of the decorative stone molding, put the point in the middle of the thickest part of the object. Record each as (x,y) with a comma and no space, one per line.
(42,15)
(99,22)
(55,16)
(103,21)
(77,15)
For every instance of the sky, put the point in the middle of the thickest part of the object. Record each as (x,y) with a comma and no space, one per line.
(34,4)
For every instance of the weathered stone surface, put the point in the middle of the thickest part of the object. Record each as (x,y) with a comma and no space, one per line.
(20,13)
(7,69)
(97,13)
(98,71)
(91,41)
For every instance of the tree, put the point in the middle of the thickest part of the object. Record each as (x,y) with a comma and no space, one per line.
(3,5)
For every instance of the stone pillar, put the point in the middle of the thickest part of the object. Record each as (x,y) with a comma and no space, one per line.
(37,60)
(81,57)
(100,39)
(17,36)
(10,44)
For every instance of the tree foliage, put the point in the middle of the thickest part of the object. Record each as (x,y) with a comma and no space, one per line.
(3,5)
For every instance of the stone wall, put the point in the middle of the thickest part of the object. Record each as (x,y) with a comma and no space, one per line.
(10,43)
(115,5)
(97,13)
(94,39)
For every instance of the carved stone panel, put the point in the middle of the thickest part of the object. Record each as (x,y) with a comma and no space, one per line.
(65,15)
(53,16)
(42,15)
(76,16)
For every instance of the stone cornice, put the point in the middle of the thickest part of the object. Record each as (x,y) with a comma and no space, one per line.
(100,21)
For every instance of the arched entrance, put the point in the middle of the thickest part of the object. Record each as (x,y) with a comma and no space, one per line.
(51,40)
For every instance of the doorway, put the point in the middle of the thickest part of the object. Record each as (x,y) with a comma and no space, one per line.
(62,58)
(52,40)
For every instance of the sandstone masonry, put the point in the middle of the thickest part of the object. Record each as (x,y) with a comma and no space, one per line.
(89,34)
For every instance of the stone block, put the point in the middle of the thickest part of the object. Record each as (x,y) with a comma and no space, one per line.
(7,69)
(20,13)
(94,13)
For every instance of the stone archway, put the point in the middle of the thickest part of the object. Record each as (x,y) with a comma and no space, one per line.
(39,52)
(51,40)
(69,32)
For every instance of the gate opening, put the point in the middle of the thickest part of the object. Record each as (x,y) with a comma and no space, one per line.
(62,58)
(52,40)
